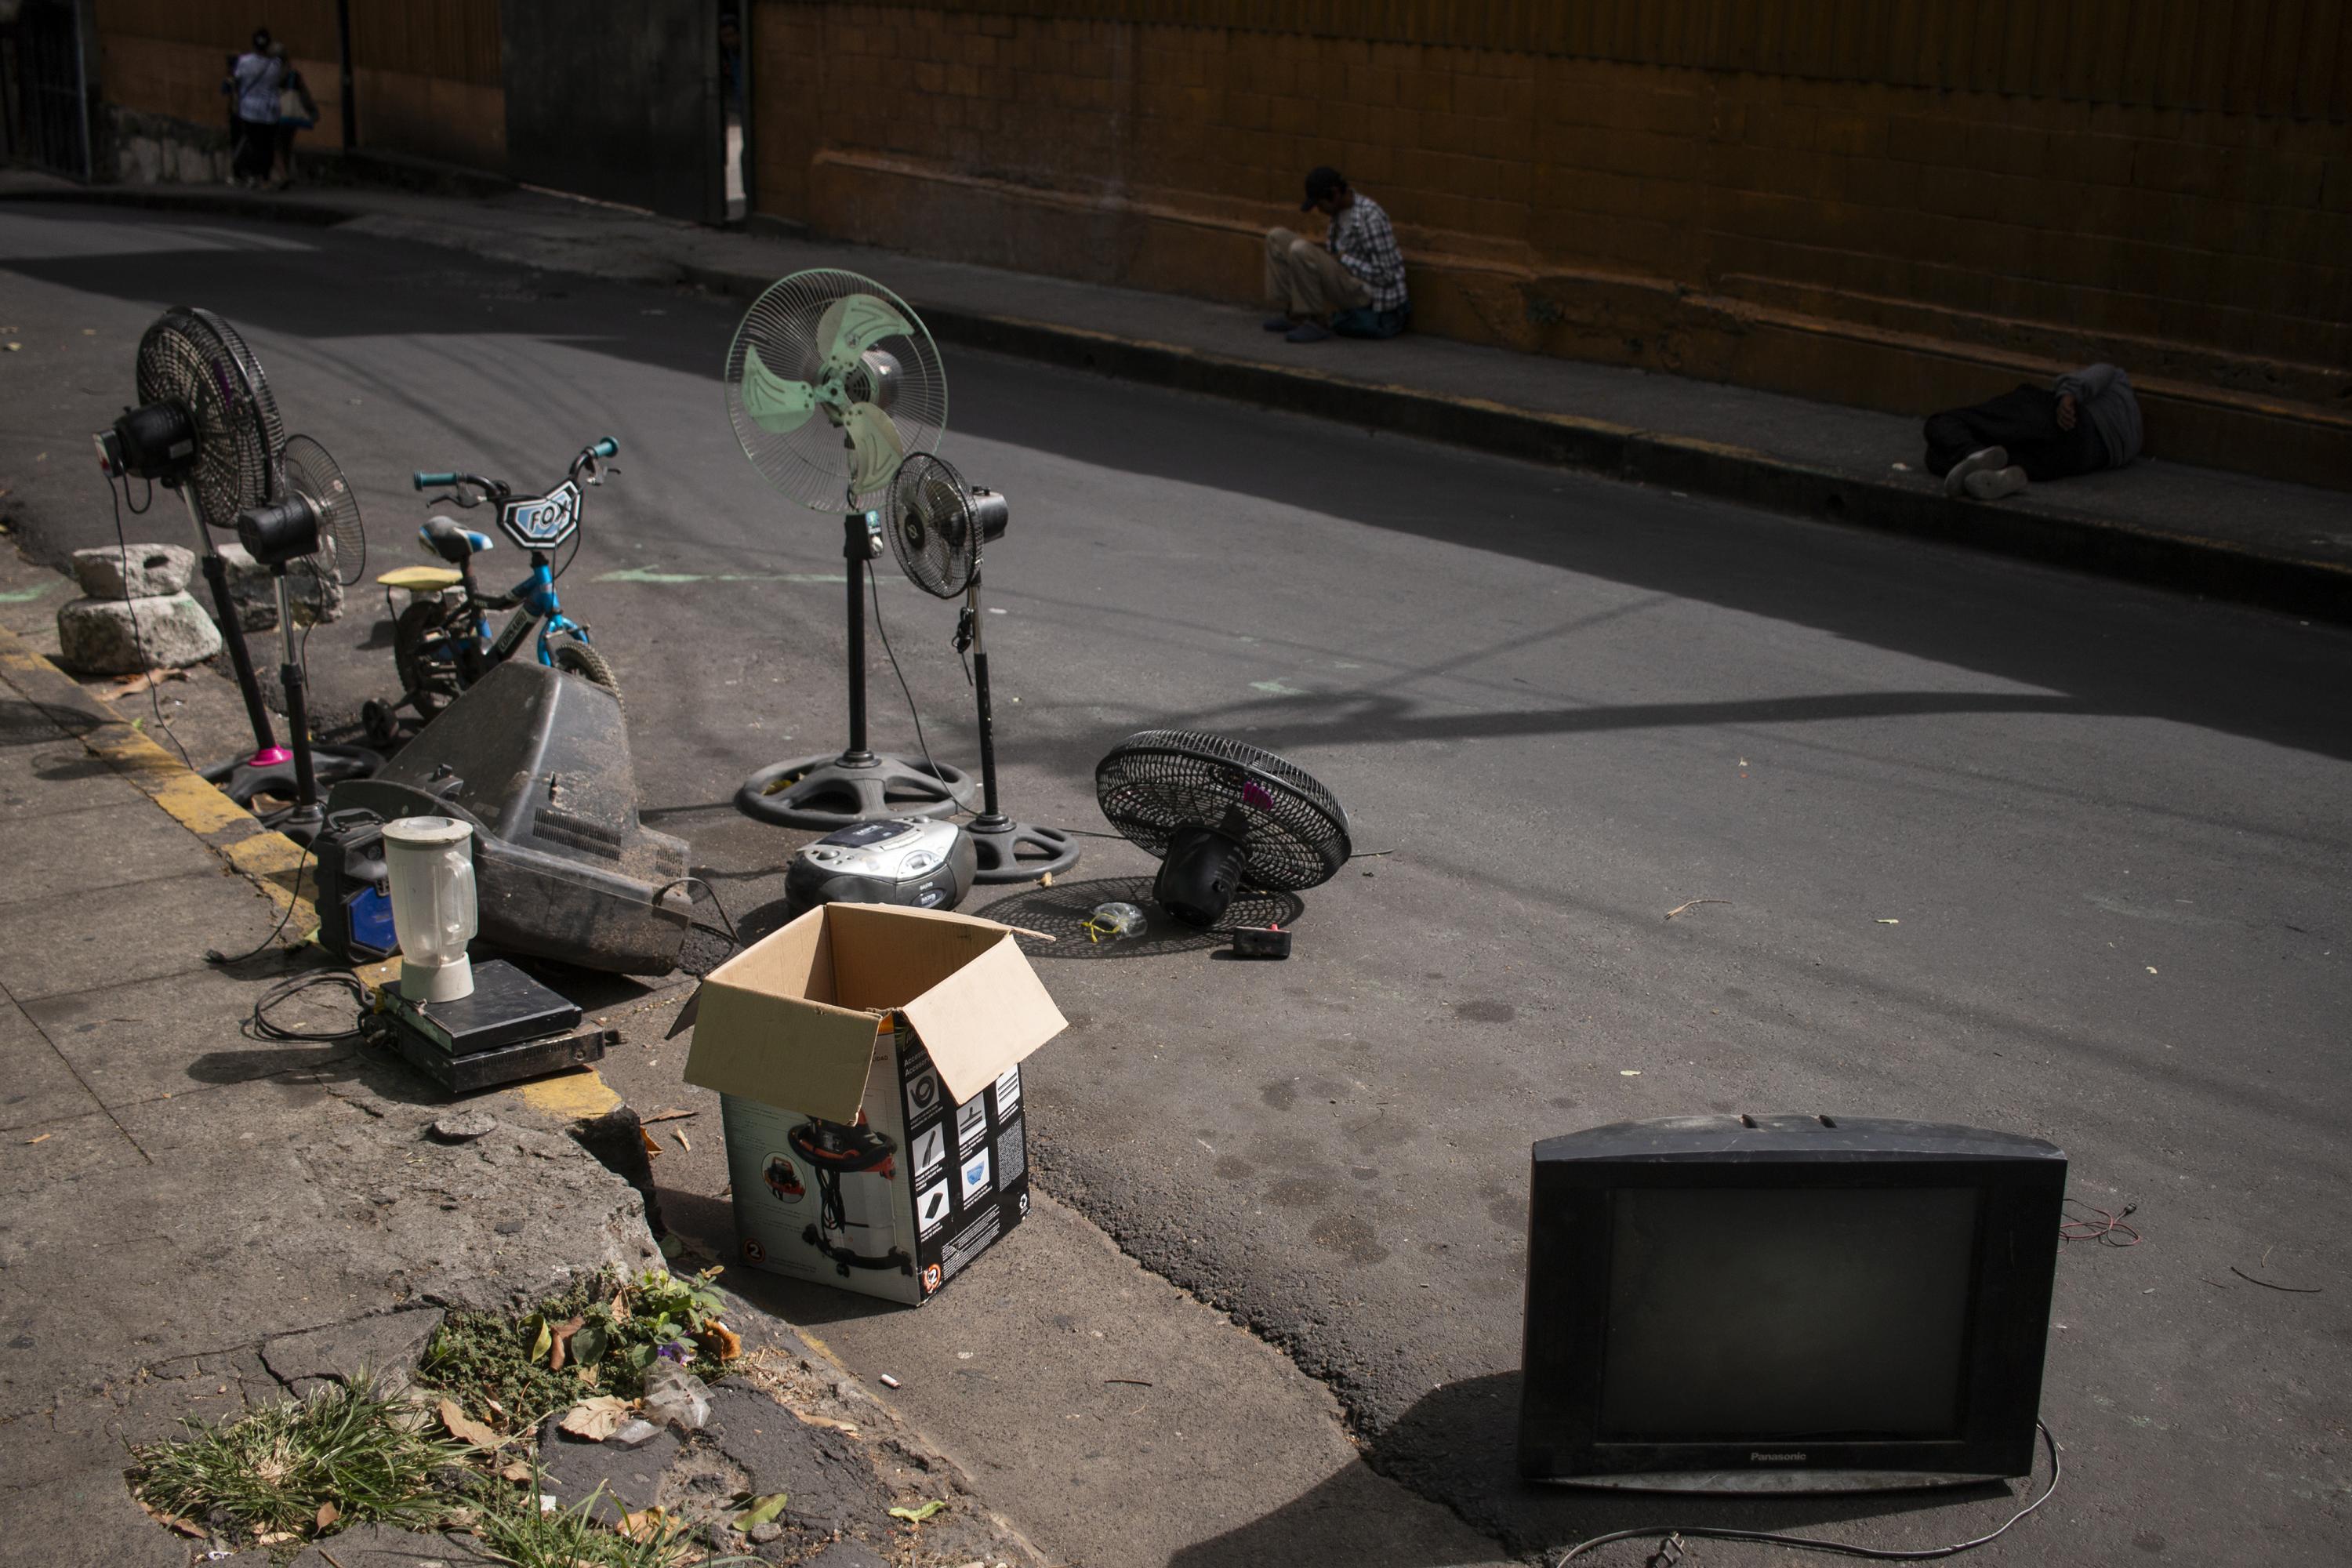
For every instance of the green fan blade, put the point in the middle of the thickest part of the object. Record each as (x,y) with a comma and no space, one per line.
(853,325)
(874,449)
(777,405)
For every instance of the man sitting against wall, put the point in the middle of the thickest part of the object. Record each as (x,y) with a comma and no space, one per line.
(1351,284)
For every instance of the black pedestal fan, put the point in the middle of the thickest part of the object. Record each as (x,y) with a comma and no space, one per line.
(208,429)
(313,525)
(939,527)
(831,382)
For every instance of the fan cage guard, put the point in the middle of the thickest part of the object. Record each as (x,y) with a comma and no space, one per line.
(932,526)
(811,464)
(310,469)
(193,358)
(1154,782)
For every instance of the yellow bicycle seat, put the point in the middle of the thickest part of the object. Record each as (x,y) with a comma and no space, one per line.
(421,579)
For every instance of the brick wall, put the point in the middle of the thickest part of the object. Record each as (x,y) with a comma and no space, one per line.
(1894,203)
(426,71)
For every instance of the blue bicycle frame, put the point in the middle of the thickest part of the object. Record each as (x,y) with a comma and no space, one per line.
(536,605)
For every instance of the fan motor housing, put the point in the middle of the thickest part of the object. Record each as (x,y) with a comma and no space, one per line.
(279,532)
(157,442)
(1200,874)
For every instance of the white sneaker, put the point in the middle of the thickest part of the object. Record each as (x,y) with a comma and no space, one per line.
(1995,484)
(1982,458)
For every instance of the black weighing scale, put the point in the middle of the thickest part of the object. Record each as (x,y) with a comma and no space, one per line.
(511,1028)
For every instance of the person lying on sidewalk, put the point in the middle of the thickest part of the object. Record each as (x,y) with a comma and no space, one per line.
(2084,421)
(1351,284)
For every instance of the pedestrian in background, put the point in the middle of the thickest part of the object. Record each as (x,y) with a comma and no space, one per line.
(297,111)
(2086,420)
(252,87)
(1351,284)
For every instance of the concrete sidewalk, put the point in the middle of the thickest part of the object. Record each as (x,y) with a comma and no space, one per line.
(201,1220)
(196,1218)
(2199,531)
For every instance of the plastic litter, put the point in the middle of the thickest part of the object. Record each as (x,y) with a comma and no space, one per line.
(675,1396)
(1109,922)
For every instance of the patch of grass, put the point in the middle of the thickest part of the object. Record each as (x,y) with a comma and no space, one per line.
(505,1368)
(271,1473)
(520,1534)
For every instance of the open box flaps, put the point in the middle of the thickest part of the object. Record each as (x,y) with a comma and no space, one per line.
(791,1019)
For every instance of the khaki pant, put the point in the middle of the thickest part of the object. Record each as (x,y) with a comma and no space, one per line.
(1303,279)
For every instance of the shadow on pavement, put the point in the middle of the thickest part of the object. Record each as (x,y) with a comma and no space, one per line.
(1459,1441)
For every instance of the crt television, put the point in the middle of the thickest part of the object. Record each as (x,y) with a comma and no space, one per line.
(1785,1303)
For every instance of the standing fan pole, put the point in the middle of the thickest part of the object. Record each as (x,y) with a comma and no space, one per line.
(857,549)
(266,752)
(990,816)
(302,823)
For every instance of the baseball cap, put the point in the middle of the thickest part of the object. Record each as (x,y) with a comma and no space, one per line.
(1321,181)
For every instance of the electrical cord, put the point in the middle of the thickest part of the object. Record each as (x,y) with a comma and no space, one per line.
(215,955)
(258,1026)
(138,635)
(1672,1537)
(873,587)
(696,881)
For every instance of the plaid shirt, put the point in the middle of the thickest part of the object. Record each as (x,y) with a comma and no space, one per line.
(1366,246)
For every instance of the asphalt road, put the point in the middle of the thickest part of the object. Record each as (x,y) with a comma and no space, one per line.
(1952,838)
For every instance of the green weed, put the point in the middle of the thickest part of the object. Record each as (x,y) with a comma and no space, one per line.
(346,1454)
(502,1367)
(519,1533)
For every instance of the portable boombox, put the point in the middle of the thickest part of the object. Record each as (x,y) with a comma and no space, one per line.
(891,861)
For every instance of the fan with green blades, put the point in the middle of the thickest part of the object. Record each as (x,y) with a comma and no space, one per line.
(831,384)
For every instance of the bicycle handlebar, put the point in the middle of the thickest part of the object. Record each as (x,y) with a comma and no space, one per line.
(425,481)
(605,448)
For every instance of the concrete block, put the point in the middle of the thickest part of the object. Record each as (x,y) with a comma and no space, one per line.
(106,572)
(254,591)
(123,636)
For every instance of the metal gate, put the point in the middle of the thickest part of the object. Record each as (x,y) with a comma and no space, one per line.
(617,99)
(52,87)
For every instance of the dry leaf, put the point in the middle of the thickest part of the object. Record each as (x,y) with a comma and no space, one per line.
(825,1421)
(648,1526)
(720,1341)
(620,1306)
(194,1531)
(328,1515)
(464,1428)
(562,1333)
(517,1471)
(917,1515)
(540,1345)
(680,1134)
(588,1375)
(667,1116)
(763,1511)
(42,1139)
(595,1419)
(653,1150)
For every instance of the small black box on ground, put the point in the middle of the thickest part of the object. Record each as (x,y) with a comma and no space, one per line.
(510,1029)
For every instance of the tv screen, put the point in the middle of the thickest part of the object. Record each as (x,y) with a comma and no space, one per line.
(1786,1315)
(1787,1302)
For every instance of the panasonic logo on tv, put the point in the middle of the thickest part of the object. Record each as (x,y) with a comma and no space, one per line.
(1776,1458)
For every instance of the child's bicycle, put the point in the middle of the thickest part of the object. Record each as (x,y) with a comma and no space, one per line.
(441,642)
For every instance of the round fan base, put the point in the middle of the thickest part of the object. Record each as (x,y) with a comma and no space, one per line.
(1013,851)
(243,778)
(832,792)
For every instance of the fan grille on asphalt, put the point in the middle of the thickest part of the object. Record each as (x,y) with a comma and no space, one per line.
(812,463)
(193,358)
(1152,784)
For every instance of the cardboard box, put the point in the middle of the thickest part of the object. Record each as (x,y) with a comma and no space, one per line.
(868,1062)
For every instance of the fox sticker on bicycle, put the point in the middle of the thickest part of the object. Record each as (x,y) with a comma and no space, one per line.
(542,522)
